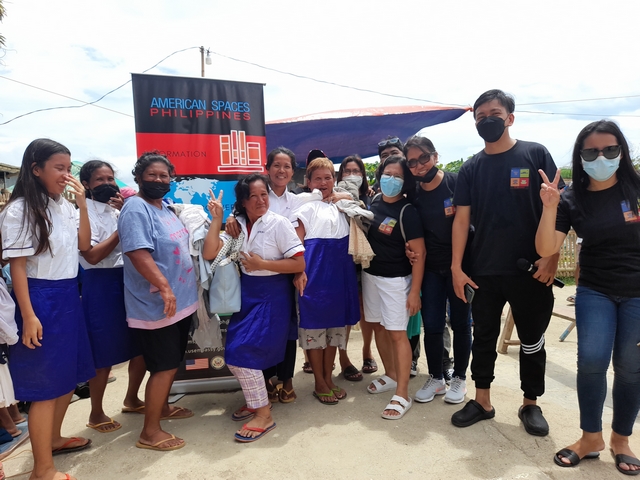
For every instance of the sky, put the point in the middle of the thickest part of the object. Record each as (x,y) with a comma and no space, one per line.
(449,52)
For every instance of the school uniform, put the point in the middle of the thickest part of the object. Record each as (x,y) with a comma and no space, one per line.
(64,359)
(112,341)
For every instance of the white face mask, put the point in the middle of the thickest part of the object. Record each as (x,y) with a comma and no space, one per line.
(355,179)
(601,169)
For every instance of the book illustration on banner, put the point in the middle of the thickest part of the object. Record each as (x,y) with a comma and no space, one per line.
(196,191)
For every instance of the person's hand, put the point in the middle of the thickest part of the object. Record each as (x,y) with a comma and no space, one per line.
(337,196)
(169,300)
(31,332)
(232,227)
(116,202)
(300,282)
(251,261)
(549,193)
(371,192)
(77,189)
(460,279)
(215,205)
(547,267)
(413,303)
(411,255)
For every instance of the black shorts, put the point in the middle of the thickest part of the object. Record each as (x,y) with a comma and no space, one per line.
(163,349)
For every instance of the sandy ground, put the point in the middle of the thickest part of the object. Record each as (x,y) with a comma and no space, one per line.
(350,440)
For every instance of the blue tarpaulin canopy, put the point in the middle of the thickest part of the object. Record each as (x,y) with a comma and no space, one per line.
(342,133)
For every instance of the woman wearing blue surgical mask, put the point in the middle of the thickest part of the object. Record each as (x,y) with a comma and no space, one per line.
(391,285)
(602,207)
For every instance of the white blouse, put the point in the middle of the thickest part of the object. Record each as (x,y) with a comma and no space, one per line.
(322,220)
(104,221)
(19,240)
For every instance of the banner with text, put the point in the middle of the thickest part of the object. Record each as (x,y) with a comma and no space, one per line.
(205,127)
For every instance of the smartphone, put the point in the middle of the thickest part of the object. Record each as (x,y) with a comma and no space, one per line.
(469,292)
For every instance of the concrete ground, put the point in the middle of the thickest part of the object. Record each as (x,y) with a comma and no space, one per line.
(350,440)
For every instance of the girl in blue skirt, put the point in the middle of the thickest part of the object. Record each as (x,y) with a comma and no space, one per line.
(112,342)
(40,238)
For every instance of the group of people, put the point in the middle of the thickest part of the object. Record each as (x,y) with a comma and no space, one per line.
(430,241)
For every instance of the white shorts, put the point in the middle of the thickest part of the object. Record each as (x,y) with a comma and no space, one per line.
(385,300)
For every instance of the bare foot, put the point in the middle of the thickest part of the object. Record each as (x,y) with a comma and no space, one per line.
(64,443)
(175,413)
(620,445)
(133,404)
(256,422)
(51,474)
(584,446)
(108,424)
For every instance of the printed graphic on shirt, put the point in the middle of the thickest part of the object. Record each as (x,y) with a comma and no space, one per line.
(449,208)
(386,227)
(519,178)
(628,214)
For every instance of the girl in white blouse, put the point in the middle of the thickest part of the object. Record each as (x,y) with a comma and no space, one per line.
(40,238)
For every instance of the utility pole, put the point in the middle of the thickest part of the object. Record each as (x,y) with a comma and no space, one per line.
(202,61)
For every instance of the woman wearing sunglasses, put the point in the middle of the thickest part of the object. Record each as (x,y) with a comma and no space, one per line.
(434,201)
(602,206)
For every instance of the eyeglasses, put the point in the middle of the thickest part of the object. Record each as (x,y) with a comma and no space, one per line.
(389,142)
(387,177)
(590,154)
(422,159)
(356,171)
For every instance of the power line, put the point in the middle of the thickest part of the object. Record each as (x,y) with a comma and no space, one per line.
(581,100)
(599,115)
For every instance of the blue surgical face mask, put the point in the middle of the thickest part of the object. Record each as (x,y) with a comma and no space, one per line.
(391,186)
(601,169)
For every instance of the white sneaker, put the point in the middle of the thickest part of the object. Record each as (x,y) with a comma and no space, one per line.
(456,391)
(431,388)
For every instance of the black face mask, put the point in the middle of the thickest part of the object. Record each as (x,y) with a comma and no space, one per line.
(103,193)
(155,190)
(491,129)
(431,174)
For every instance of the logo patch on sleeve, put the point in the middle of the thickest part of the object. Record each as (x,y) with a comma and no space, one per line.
(519,178)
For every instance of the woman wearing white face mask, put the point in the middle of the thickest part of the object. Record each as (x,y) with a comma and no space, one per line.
(391,285)
(602,207)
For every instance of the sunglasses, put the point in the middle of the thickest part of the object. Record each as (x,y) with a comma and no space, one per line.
(590,154)
(422,160)
(389,143)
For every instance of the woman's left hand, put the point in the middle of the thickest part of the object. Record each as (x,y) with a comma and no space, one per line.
(77,189)
(413,303)
(251,261)
(411,255)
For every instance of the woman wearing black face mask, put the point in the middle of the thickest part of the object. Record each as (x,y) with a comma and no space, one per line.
(111,339)
(160,292)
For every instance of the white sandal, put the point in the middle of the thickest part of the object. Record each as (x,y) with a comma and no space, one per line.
(388,385)
(403,408)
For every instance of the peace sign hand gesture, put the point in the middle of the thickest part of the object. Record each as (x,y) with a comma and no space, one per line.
(215,205)
(549,193)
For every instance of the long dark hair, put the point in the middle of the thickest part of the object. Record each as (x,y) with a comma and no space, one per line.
(87,171)
(243,190)
(628,178)
(409,184)
(35,195)
(364,186)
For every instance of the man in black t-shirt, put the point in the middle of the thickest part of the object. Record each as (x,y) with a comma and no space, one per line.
(499,187)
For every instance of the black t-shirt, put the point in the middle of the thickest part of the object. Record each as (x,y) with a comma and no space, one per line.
(385,237)
(503,191)
(436,210)
(610,232)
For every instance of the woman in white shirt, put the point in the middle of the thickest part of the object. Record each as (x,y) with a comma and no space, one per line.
(111,339)
(40,238)
(258,333)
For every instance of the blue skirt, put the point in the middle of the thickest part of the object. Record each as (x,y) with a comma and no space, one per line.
(112,341)
(257,334)
(330,299)
(64,359)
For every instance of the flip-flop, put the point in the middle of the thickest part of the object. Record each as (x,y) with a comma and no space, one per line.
(629,460)
(306,367)
(98,426)
(339,393)
(389,384)
(286,396)
(369,365)
(156,446)
(320,396)
(572,456)
(238,418)
(175,414)
(17,434)
(65,449)
(261,431)
(352,374)
(139,409)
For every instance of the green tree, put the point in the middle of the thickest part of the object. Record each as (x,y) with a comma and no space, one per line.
(370,170)
(454,166)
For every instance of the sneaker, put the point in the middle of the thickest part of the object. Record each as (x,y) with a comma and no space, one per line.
(456,391)
(414,369)
(447,374)
(431,388)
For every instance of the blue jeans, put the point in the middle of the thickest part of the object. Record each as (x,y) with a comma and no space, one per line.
(608,325)
(437,287)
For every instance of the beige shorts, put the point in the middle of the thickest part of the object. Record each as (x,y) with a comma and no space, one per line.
(320,338)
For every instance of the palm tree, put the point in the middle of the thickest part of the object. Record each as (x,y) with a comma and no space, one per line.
(2,14)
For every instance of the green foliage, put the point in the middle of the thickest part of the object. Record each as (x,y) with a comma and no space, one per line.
(453,167)
(566,173)
(370,170)
(3,12)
